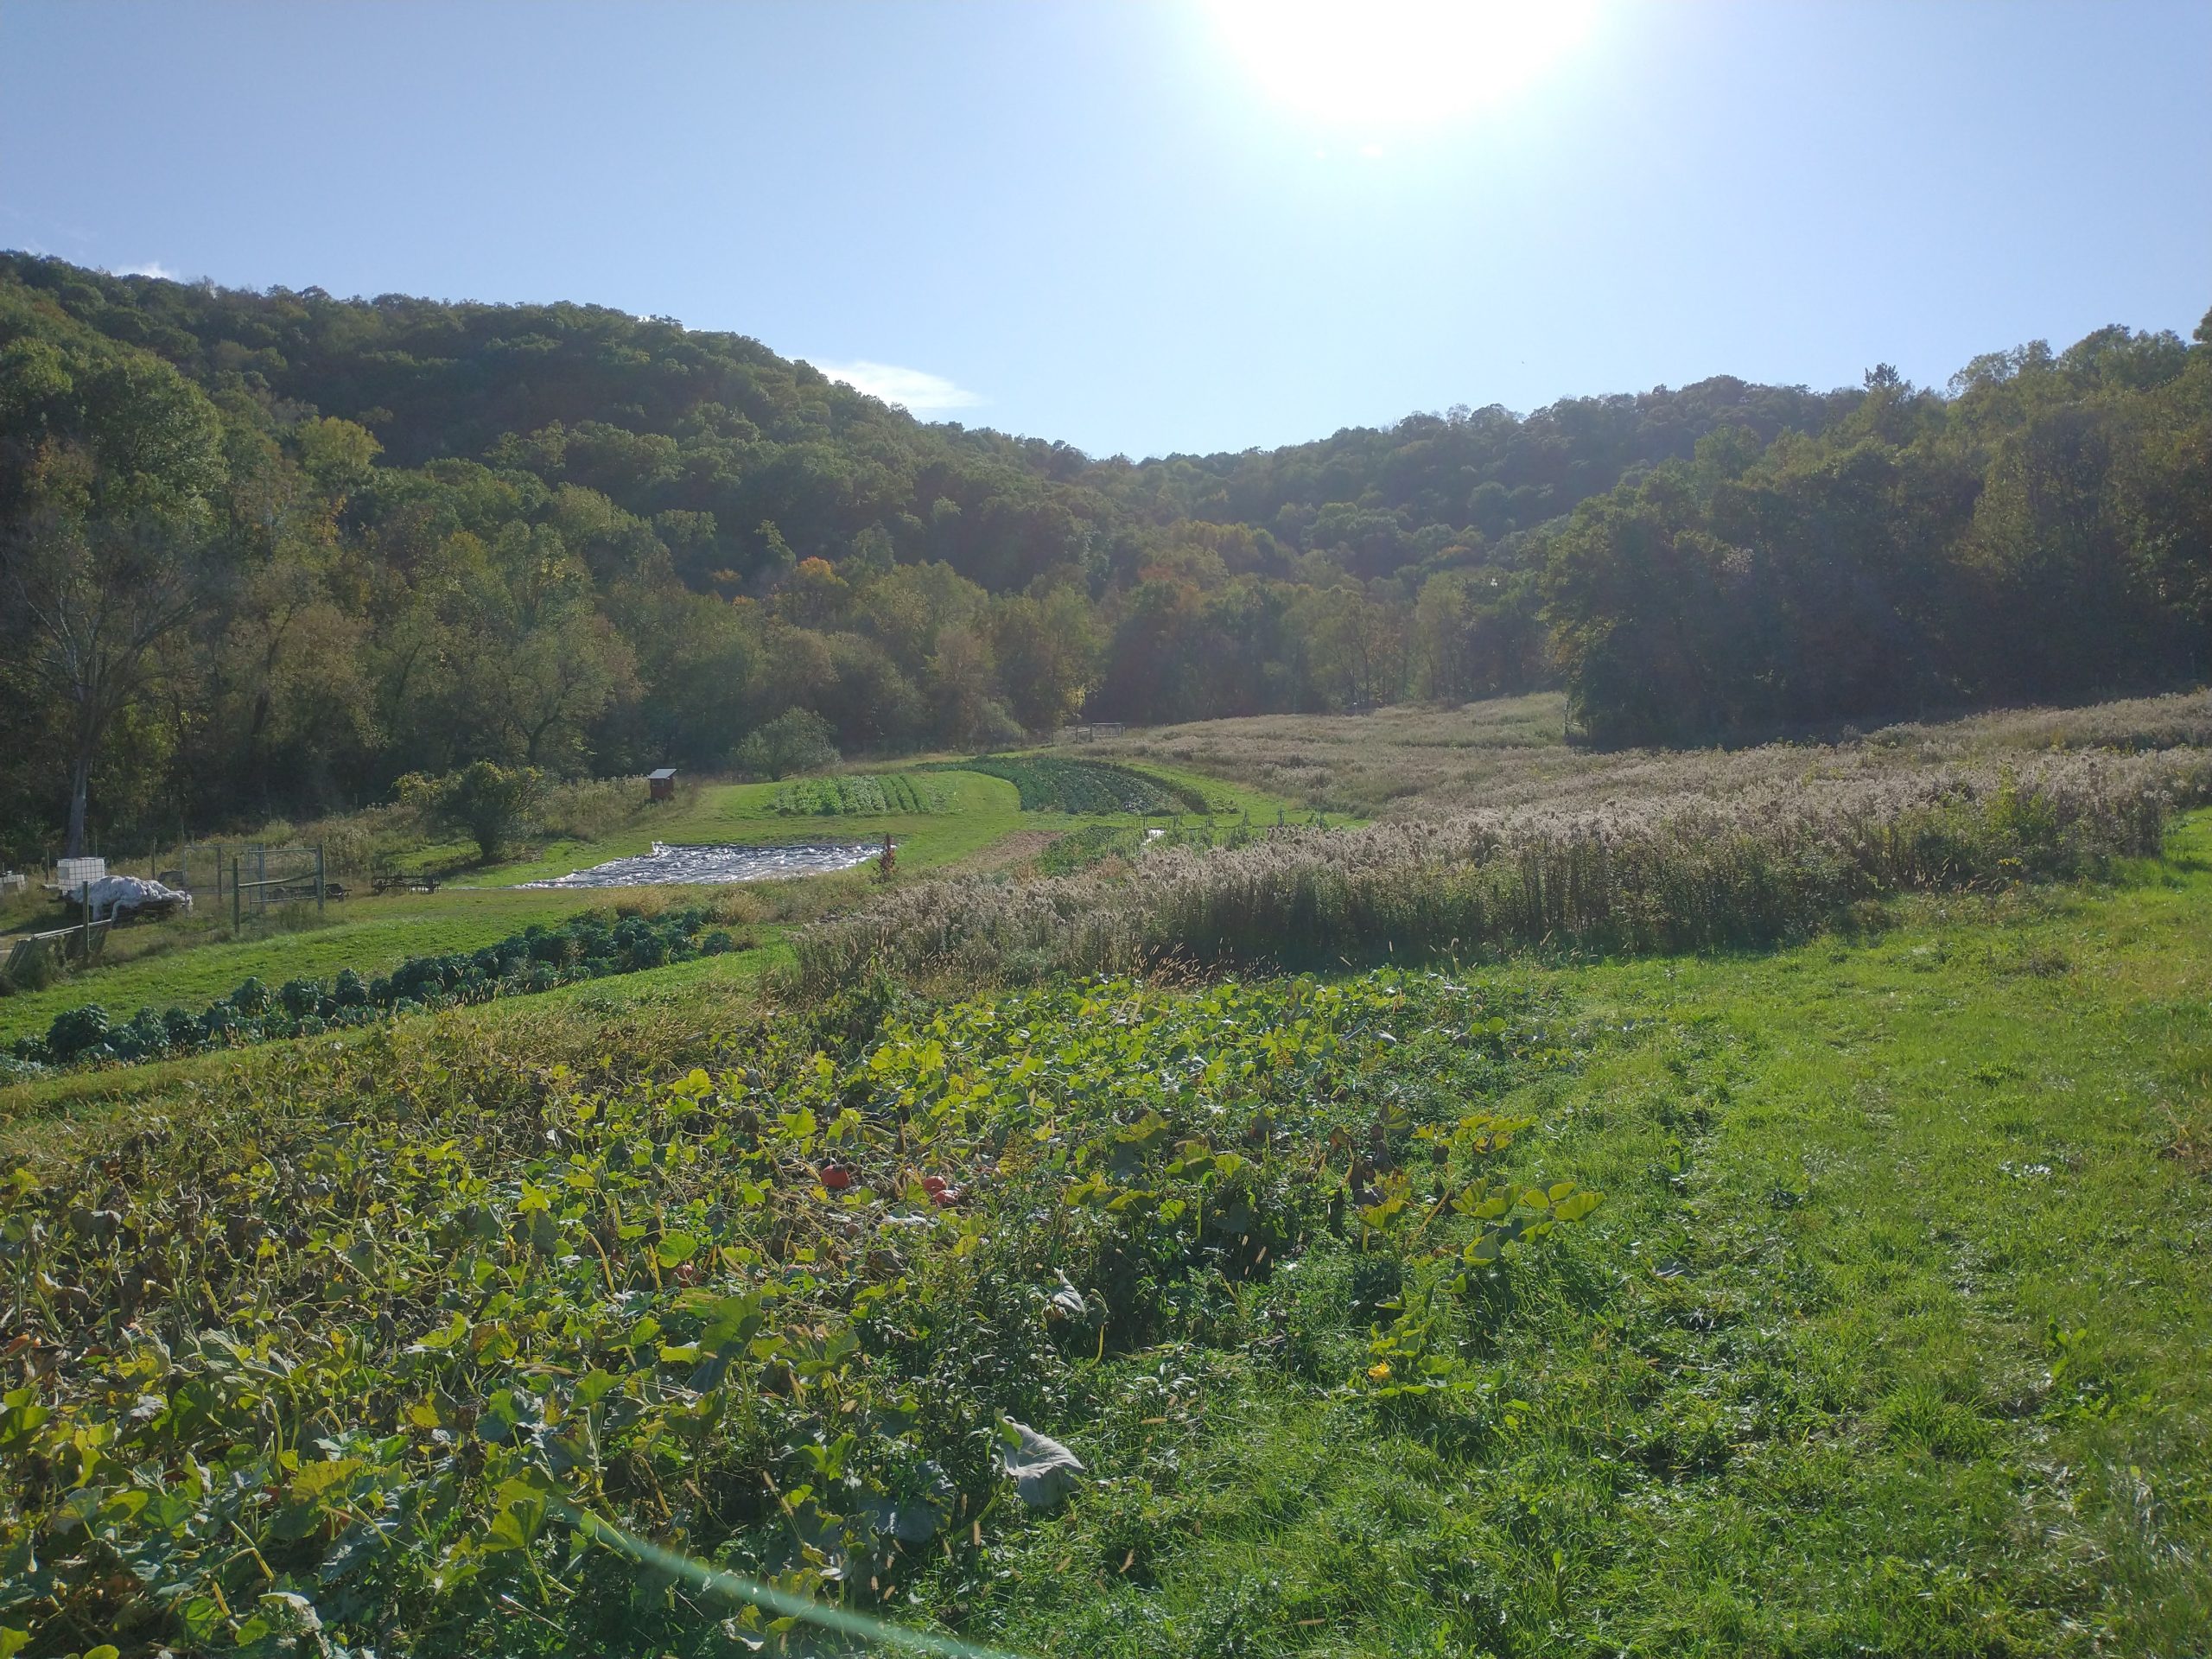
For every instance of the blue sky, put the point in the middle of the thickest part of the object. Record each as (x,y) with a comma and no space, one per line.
(1154,228)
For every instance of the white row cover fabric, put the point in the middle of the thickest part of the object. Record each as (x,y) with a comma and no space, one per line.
(115,895)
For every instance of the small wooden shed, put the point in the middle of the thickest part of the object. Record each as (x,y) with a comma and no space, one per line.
(662,783)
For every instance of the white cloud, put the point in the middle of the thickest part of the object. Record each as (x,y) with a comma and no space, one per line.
(914,390)
(151,268)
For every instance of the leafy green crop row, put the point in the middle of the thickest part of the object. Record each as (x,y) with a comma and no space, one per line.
(589,946)
(1048,783)
(375,1348)
(860,796)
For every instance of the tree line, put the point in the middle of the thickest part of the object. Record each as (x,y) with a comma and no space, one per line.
(266,553)
(2042,534)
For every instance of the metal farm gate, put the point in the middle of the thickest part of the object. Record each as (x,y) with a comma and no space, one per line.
(251,877)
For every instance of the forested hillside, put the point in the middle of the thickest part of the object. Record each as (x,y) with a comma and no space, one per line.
(268,552)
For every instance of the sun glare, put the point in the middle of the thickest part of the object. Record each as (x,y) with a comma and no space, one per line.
(1398,62)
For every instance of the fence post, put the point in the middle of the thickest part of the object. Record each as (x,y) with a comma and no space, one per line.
(84,902)
(318,880)
(238,917)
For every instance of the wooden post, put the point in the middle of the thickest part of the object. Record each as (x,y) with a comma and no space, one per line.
(318,879)
(238,915)
(85,899)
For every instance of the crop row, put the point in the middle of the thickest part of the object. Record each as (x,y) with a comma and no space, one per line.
(858,796)
(1048,783)
(381,1364)
(539,958)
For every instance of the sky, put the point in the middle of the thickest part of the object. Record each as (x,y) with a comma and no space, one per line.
(1151,228)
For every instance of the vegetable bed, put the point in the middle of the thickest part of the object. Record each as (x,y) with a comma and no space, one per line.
(1048,783)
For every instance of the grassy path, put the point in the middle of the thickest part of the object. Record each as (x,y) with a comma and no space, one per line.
(1889,1338)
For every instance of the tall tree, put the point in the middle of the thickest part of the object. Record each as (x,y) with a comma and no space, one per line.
(90,602)
(108,458)
(1046,650)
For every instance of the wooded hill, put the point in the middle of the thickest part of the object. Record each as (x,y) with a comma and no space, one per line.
(266,552)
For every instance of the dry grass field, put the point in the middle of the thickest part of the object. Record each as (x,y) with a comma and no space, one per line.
(1416,760)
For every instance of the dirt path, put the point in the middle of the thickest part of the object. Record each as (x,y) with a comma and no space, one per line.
(1017,848)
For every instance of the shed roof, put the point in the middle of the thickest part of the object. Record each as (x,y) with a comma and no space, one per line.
(664,773)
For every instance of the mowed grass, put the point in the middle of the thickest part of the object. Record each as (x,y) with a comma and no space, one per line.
(978,811)
(369,935)
(1888,1338)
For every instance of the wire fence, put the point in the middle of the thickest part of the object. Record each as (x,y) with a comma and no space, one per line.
(249,879)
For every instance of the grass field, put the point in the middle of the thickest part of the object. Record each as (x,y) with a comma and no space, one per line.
(1510,751)
(368,935)
(1364,763)
(978,811)
(1887,1337)
(973,811)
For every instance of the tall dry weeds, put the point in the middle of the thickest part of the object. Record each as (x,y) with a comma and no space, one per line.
(1672,872)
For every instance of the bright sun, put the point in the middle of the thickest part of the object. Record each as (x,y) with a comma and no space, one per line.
(1370,62)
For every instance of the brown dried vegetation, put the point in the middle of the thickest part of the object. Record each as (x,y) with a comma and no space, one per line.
(1634,852)
(1416,760)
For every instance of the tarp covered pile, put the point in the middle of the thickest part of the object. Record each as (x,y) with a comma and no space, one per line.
(114,896)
